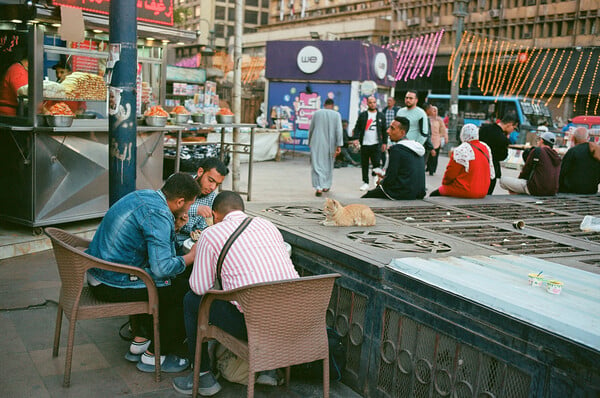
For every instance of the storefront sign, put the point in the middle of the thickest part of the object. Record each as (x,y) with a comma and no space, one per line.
(380,65)
(309,59)
(156,11)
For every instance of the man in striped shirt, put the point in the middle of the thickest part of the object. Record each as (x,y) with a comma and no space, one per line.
(257,255)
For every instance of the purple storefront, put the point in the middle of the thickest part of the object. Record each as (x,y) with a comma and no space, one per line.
(302,74)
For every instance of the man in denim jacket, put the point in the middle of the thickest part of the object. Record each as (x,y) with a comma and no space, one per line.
(139,230)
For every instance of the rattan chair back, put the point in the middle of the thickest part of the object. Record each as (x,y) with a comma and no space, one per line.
(285,322)
(76,300)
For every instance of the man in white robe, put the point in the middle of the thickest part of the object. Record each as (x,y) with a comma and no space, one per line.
(325,139)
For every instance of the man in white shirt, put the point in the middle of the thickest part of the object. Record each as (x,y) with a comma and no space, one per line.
(371,128)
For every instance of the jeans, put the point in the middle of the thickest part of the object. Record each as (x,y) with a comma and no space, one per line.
(223,314)
(170,311)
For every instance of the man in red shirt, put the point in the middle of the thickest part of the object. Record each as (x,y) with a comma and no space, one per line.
(16,76)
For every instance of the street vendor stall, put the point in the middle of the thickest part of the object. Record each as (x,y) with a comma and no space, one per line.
(303,74)
(60,173)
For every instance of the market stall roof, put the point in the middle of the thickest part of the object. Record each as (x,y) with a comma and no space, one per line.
(144,29)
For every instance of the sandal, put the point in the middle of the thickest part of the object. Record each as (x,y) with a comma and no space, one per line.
(168,363)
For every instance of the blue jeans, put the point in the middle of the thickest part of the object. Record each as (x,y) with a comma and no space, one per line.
(223,314)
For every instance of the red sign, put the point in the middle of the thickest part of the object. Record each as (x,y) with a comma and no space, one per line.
(85,64)
(156,11)
(522,58)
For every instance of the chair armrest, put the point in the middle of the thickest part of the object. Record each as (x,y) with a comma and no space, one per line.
(95,262)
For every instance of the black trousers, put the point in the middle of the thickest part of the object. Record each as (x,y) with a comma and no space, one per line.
(372,153)
(432,161)
(170,311)
(376,193)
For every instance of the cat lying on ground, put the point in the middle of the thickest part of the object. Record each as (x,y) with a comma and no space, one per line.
(347,216)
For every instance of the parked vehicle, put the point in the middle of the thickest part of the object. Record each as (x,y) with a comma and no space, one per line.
(478,109)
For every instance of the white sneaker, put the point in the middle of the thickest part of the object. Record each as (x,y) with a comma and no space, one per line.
(364,187)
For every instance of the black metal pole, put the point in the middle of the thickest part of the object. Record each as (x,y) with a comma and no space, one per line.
(122,99)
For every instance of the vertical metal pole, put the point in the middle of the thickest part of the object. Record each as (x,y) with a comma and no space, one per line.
(237,91)
(460,12)
(122,121)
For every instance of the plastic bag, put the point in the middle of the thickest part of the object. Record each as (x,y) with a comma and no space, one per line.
(590,224)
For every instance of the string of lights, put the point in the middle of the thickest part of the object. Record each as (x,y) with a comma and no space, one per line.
(571,80)
(587,63)
(559,65)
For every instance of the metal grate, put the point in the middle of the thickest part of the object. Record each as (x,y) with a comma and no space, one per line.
(570,228)
(425,214)
(399,242)
(510,211)
(416,361)
(507,240)
(305,212)
(346,315)
(570,205)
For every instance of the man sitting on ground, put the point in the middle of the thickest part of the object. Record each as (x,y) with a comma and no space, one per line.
(539,176)
(580,167)
(211,174)
(258,255)
(138,230)
(405,175)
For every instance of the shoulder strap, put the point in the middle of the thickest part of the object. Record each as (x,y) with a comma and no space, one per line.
(227,246)
(479,149)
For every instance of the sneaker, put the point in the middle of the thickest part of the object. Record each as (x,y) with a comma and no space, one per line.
(267,378)
(378,171)
(168,363)
(364,187)
(207,384)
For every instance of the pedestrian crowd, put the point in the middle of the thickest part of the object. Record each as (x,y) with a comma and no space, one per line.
(397,146)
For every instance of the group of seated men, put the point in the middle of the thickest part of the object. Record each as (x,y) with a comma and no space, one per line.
(140,230)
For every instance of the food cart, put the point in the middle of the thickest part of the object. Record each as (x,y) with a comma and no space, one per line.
(53,175)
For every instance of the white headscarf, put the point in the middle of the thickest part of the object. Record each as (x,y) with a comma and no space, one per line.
(464,153)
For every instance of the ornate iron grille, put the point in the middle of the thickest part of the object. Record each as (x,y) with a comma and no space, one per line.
(570,205)
(507,240)
(570,228)
(425,214)
(346,315)
(399,242)
(304,212)
(510,211)
(416,361)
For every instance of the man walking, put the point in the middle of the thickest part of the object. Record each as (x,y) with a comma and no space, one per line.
(370,126)
(325,140)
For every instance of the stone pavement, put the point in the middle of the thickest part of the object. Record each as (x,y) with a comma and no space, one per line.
(29,287)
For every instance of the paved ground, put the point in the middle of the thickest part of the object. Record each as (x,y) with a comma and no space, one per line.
(29,287)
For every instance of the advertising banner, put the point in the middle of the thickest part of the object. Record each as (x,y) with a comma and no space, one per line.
(292,104)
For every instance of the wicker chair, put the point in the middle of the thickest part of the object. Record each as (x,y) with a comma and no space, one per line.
(285,322)
(77,301)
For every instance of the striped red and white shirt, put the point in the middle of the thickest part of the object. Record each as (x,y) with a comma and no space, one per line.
(257,255)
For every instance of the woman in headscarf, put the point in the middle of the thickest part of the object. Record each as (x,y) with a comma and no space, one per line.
(470,168)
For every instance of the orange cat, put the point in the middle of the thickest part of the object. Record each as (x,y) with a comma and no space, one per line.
(347,216)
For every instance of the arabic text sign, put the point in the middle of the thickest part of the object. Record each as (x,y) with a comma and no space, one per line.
(156,11)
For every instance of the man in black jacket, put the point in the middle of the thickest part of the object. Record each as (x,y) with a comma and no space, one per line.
(496,137)
(370,127)
(580,167)
(404,177)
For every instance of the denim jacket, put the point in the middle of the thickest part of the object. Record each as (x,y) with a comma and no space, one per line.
(138,230)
